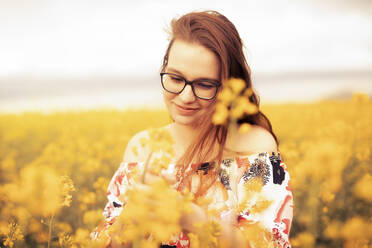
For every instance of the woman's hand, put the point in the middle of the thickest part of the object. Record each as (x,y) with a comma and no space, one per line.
(150,178)
(197,214)
(188,220)
(230,236)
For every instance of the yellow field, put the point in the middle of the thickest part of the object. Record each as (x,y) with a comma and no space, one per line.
(46,159)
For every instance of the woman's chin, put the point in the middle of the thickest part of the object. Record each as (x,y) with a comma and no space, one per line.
(185,120)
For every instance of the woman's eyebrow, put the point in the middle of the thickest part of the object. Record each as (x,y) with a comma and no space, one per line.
(174,70)
(178,72)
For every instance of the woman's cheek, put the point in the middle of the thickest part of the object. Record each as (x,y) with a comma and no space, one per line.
(167,99)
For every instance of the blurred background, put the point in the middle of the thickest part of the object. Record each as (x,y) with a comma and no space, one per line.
(57,55)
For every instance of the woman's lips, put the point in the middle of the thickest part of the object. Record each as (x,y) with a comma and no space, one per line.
(185,110)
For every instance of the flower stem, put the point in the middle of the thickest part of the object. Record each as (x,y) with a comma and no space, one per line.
(146,168)
(50,229)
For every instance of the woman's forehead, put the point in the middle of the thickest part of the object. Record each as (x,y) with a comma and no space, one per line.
(193,60)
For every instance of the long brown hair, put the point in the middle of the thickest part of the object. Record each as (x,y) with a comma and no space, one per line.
(215,32)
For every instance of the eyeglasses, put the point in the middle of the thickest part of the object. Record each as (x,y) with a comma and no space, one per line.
(202,88)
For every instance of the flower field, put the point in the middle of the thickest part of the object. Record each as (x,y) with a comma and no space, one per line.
(55,169)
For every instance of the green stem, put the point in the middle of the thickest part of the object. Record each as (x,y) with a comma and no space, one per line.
(50,229)
(146,168)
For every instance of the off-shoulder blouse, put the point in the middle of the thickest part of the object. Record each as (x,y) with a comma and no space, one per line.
(226,193)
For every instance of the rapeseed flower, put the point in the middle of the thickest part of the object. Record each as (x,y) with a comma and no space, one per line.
(257,236)
(326,144)
(206,235)
(362,188)
(233,103)
(12,234)
(67,188)
(152,210)
(159,141)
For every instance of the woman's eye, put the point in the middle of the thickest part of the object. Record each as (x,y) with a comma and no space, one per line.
(205,85)
(176,79)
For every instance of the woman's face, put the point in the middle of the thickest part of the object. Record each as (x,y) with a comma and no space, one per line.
(191,61)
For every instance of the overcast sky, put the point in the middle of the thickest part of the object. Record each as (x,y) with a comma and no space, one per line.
(85,37)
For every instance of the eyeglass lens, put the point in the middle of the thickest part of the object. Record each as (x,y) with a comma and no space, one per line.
(175,84)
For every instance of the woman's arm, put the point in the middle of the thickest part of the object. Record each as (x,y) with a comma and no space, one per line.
(276,217)
(134,152)
(118,184)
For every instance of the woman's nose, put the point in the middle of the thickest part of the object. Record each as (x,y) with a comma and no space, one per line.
(187,95)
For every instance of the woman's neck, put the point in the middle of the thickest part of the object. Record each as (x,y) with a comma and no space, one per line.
(183,135)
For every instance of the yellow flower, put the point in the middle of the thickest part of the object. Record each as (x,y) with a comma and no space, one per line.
(226,96)
(363,153)
(65,240)
(160,139)
(237,111)
(88,198)
(154,209)
(160,163)
(92,217)
(81,237)
(251,189)
(250,108)
(206,235)
(12,234)
(67,187)
(236,84)
(326,145)
(194,241)
(64,227)
(220,115)
(360,97)
(40,182)
(325,210)
(356,228)
(303,239)
(35,226)
(363,187)
(233,102)
(244,128)
(327,196)
(101,184)
(333,230)
(257,236)
(248,92)
(242,106)
(261,205)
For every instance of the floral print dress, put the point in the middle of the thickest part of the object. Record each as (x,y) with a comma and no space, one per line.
(234,174)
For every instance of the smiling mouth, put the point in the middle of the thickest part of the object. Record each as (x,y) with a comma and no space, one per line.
(185,109)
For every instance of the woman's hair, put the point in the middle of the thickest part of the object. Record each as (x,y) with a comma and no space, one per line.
(216,33)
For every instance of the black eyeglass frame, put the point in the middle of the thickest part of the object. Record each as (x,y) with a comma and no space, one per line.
(191,83)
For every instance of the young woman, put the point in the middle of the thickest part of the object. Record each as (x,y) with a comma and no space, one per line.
(205,49)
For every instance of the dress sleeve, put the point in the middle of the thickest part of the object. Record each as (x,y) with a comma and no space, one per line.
(119,184)
(277,217)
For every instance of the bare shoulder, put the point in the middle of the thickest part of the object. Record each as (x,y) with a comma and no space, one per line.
(135,151)
(258,139)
